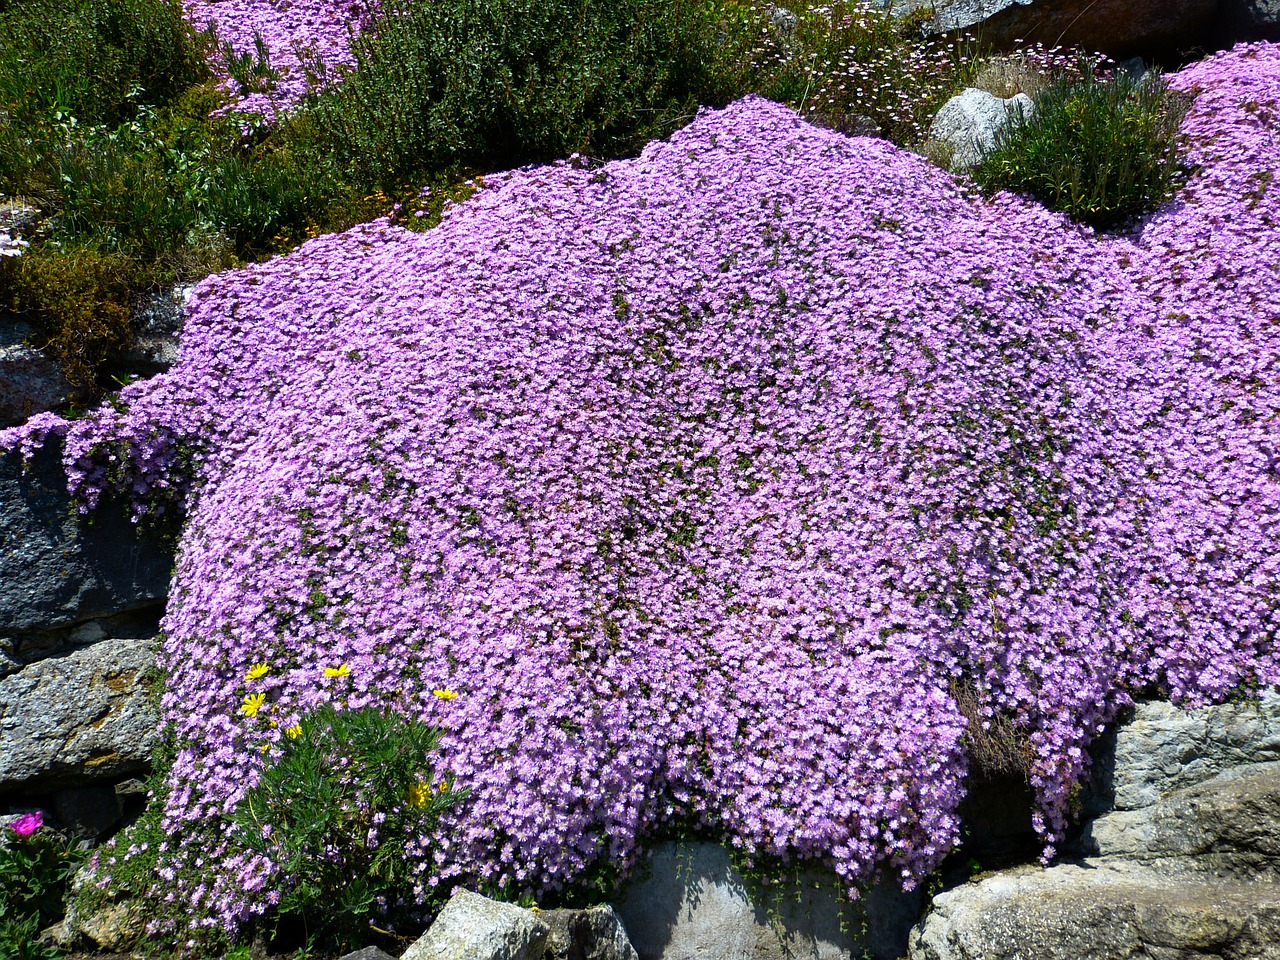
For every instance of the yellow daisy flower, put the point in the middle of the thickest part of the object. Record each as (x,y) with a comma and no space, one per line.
(294,732)
(252,704)
(445,694)
(342,671)
(257,672)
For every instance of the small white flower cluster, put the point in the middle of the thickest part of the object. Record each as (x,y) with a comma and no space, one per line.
(11,246)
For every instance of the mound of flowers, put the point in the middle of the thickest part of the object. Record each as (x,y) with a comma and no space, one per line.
(707,481)
(287,36)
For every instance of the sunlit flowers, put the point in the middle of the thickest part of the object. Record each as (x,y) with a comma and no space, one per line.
(252,704)
(444,695)
(257,672)
(707,475)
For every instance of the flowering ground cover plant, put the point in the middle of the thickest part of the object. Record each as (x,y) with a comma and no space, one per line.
(285,42)
(680,493)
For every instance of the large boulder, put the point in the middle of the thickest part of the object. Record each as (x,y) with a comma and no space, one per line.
(1120,28)
(59,569)
(78,718)
(595,933)
(1251,19)
(472,927)
(693,903)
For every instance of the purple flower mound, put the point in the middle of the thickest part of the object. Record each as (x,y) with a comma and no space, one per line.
(292,30)
(702,477)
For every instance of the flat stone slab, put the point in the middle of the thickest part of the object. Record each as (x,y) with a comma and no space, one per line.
(1099,910)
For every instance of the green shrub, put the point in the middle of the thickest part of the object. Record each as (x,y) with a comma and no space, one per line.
(94,59)
(1098,150)
(497,83)
(334,810)
(79,298)
(847,65)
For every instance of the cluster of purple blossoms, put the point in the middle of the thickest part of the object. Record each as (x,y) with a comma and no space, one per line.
(297,35)
(702,478)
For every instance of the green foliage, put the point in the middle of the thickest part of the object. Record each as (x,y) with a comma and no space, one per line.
(34,872)
(846,65)
(334,810)
(1098,150)
(79,297)
(498,83)
(94,59)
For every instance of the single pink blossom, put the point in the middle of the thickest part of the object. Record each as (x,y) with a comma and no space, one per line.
(27,824)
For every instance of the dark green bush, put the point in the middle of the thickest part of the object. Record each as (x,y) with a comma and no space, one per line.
(335,808)
(497,83)
(1099,150)
(94,59)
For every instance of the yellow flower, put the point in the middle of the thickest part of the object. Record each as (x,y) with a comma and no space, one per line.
(419,794)
(257,672)
(252,704)
(294,732)
(445,694)
(342,671)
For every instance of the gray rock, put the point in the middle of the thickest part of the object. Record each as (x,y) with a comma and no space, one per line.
(694,904)
(472,927)
(29,382)
(57,568)
(368,953)
(595,933)
(156,320)
(1120,28)
(115,927)
(1100,910)
(1228,826)
(78,718)
(968,124)
(1164,748)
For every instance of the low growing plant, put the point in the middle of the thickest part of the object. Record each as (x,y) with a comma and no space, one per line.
(339,797)
(1099,149)
(35,865)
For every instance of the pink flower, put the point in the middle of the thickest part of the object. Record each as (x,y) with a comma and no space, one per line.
(27,824)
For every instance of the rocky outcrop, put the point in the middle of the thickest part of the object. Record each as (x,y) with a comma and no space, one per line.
(472,927)
(59,570)
(77,718)
(969,125)
(31,382)
(1183,862)
(1163,747)
(692,903)
(1120,28)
